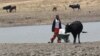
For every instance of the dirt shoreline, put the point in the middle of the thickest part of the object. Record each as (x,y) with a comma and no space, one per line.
(47,23)
(54,49)
(45,18)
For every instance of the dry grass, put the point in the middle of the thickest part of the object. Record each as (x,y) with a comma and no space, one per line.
(40,11)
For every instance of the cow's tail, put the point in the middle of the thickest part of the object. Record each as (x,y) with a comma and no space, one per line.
(84,31)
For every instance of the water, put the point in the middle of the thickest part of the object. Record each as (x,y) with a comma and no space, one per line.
(42,34)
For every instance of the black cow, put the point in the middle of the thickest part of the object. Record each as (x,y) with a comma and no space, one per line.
(74,6)
(9,8)
(12,8)
(75,28)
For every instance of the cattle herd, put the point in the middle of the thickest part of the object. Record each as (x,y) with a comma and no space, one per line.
(73,6)
(10,8)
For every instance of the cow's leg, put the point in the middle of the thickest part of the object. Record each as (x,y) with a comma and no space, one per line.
(73,9)
(74,36)
(15,9)
(79,38)
(78,8)
(10,10)
(7,11)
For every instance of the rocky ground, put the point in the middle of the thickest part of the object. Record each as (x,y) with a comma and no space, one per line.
(50,49)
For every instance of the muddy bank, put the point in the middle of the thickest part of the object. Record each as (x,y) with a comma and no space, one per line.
(43,18)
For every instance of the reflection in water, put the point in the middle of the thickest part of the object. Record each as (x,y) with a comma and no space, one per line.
(42,34)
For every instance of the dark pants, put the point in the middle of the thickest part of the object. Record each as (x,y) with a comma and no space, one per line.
(56,32)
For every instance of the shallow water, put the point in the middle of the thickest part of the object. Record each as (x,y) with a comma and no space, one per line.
(42,34)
